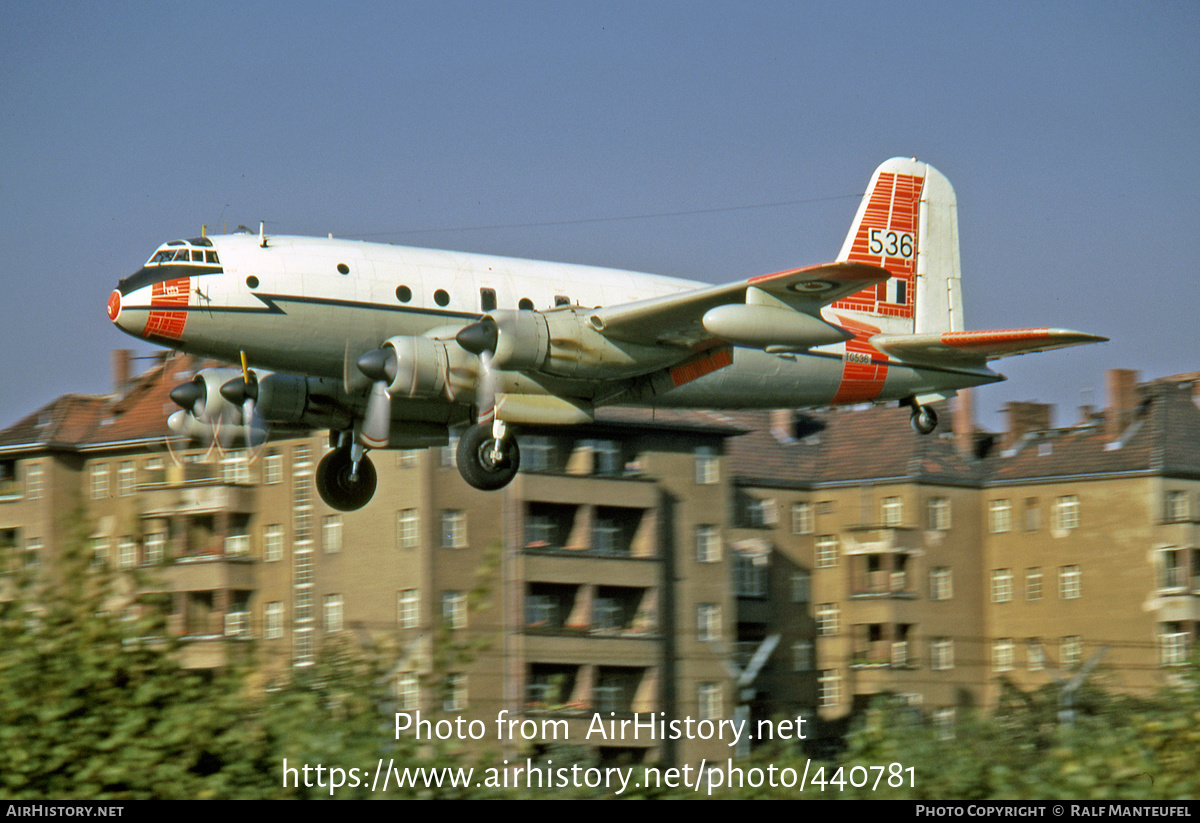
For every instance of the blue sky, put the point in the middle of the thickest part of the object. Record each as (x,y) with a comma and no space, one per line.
(1067,129)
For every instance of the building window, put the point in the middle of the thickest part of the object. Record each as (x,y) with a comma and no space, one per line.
(941,583)
(126,553)
(537,454)
(1035,654)
(99,481)
(1033,583)
(454,610)
(454,529)
(99,552)
(827,619)
(802,656)
(33,481)
(126,477)
(1176,506)
(273,621)
(939,514)
(331,534)
(1070,582)
(802,518)
(1033,514)
(1066,512)
(606,457)
(801,587)
(892,511)
(709,698)
(941,654)
(750,575)
(408,534)
(708,622)
(1170,571)
(1172,644)
(156,544)
(1002,585)
(606,536)
(827,546)
(235,468)
(273,543)
(1002,655)
(999,516)
(408,609)
(708,544)
(760,513)
(273,468)
(302,647)
(829,685)
(455,699)
(302,507)
(1071,650)
(708,466)
(333,612)
(33,553)
(408,692)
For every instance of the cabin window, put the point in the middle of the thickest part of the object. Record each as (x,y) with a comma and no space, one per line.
(487,300)
(441,297)
(252,282)
(343,268)
(525,304)
(403,294)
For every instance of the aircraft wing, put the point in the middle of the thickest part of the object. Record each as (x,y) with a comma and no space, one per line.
(975,348)
(676,318)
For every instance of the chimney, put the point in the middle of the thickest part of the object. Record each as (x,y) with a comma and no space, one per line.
(121,360)
(1024,417)
(783,425)
(1121,386)
(963,423)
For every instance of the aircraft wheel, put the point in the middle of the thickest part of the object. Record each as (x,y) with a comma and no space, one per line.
(337,488)
(924,419)
(476,463)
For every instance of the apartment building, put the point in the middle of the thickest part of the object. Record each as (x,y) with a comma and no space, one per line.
(682,564)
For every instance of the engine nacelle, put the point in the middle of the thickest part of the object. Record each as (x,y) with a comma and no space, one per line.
(422,366)
(563,343)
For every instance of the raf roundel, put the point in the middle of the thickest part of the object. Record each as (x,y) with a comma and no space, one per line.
(114,306)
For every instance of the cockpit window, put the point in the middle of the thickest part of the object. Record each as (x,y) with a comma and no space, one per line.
(181,251)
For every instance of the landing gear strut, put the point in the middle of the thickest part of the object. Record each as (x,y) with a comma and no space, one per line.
(488,459)
(924,419)
(344,482)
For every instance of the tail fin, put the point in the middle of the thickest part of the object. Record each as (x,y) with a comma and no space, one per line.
(907,223)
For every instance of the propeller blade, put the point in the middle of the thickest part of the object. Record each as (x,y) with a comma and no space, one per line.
(380,366)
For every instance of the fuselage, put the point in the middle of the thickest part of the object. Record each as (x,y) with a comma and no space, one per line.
(311,306)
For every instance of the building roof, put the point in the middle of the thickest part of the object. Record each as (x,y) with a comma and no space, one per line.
(1163,437)
(76,422)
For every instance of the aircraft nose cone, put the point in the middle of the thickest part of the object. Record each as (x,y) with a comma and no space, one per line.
(114,306)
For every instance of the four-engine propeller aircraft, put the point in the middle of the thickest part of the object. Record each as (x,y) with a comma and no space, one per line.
(389,346)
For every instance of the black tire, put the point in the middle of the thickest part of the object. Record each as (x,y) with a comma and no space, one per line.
(335,486)
(475,465)
(924,419)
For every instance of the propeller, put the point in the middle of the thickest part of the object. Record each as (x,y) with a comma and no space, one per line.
(243,391)
(480,338)
(380,366)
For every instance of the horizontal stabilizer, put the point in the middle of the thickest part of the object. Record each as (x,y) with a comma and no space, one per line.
(967,348)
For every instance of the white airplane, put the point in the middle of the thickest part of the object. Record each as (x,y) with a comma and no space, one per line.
(389,346)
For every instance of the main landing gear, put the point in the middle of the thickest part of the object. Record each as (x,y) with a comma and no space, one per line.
(346,478)
(488,457)
(924,419)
